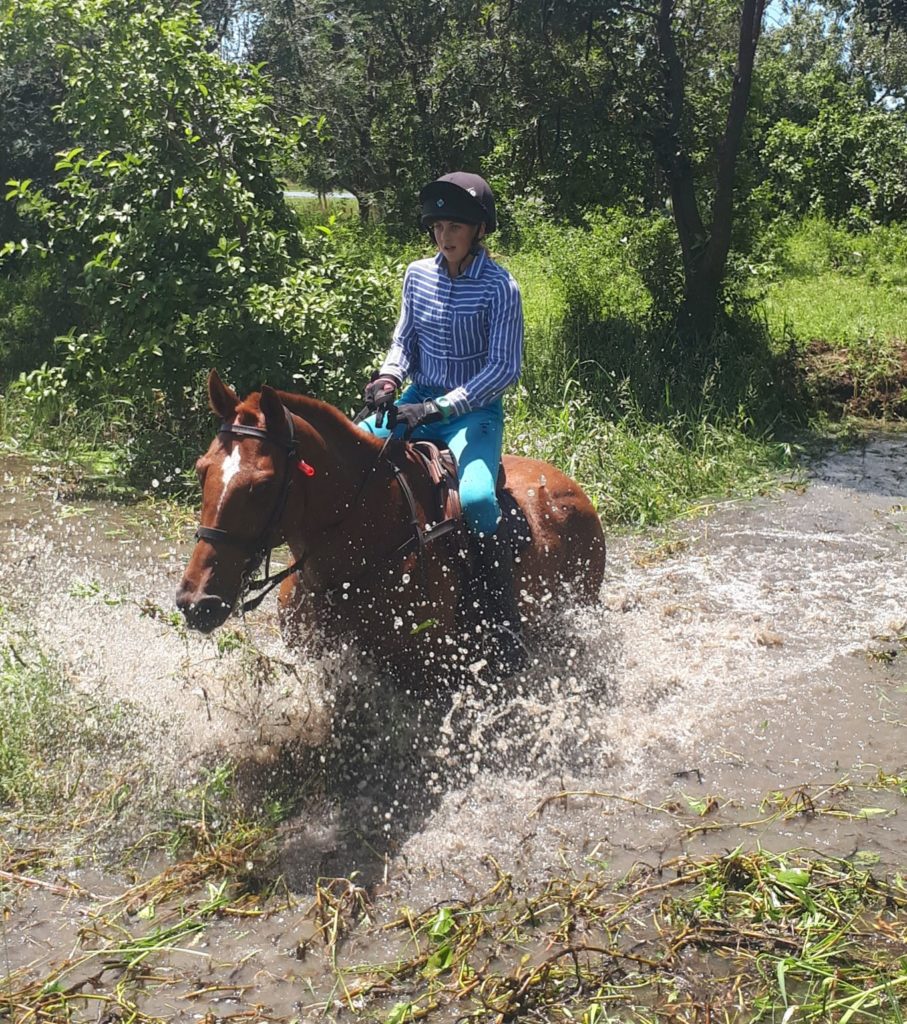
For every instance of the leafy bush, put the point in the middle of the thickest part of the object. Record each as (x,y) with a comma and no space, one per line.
(845,163)
(168,223)
(34,309)
(165,204)
(331,318)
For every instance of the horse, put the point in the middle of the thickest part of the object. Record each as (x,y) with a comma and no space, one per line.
(358,515)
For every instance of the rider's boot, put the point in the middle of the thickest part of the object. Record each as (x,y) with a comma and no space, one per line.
(498,607)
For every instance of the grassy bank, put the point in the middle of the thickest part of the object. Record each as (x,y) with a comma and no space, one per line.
(840,301)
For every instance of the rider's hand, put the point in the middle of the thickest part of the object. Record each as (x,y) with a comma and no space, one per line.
(417,413)
(379,397)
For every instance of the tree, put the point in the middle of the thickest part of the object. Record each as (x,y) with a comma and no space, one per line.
(166,219)
(374,72)
(30,88)
(410,89)
(884,15)
(830,124)
(704,245)
(584,103)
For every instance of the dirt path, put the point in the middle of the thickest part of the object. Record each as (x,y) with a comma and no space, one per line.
(747,666)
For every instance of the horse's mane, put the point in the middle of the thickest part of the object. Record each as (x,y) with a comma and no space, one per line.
(308,407)
(324,416)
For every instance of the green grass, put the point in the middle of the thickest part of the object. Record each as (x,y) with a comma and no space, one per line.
(312,210)
(38,726)
(28,694)
(641,473)
(838,308)
(542,292)
(841,287)
(60,749)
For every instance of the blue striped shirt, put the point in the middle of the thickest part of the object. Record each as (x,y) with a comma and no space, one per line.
(463,335)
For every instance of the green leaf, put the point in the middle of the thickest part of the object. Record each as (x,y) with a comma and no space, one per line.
(440,960)
(441,924)
(866,858)
(400,1013)
(421,627)
(792,876)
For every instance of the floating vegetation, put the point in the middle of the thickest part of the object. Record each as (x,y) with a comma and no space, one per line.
(742,936)
(746,935)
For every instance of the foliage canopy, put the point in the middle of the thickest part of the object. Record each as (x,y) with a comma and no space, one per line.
(165,221)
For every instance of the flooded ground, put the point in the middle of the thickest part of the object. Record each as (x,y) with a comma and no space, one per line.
(743,682)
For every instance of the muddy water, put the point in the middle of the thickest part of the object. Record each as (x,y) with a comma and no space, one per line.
(755,650)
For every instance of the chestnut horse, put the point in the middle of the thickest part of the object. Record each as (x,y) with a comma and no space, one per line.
(288,468)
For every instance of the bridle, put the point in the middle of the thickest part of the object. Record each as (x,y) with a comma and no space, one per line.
(259,550)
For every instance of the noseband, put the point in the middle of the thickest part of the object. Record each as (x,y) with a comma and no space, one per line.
(259,550)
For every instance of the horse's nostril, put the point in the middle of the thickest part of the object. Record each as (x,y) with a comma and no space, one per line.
(205,614)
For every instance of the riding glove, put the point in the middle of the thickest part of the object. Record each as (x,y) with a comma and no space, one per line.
(417,413)
(379,397)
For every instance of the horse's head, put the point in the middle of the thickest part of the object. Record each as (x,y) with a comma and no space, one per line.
(245,478)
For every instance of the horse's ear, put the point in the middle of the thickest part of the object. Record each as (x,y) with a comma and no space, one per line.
(223,399)
(273,411)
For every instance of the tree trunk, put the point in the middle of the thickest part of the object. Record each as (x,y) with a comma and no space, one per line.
(704,250)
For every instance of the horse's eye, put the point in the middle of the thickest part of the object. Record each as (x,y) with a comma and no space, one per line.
(259,484)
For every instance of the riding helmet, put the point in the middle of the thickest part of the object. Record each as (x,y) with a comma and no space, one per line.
(458,196)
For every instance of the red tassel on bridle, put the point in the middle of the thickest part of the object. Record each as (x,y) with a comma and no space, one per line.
(304,467)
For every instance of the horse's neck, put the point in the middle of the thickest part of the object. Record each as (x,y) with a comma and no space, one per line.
(366,516)
(349,450)
(348,465)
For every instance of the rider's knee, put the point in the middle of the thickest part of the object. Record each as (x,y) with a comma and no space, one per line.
(368,425)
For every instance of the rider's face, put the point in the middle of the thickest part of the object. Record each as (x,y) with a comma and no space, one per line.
(454,239)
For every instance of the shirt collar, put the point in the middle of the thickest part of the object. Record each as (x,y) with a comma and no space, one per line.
(474,268)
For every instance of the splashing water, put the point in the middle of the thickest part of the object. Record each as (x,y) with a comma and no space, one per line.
(728,657)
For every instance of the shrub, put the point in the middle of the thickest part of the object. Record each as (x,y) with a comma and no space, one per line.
(34,309)
(168,223)
(847,164)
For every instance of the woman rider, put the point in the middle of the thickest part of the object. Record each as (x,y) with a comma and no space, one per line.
(459,340)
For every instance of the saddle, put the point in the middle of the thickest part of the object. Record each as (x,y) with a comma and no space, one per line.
(439,464)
